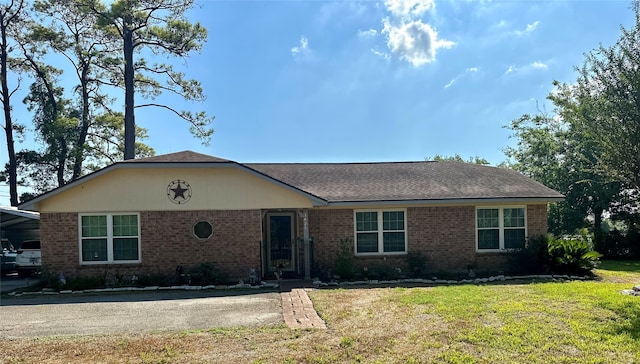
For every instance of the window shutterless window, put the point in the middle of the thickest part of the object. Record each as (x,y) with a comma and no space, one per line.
(501,228)
(109,238)
(380,232)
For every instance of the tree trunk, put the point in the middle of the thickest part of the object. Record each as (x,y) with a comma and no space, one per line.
(62,160)
(597,225)
(129,117)
(6,104)
(84,124)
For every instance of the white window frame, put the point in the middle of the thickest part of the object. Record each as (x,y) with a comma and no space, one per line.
(381,231)
(500,227)
(110,237)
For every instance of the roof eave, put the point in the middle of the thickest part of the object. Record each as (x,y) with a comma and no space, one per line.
(450,201)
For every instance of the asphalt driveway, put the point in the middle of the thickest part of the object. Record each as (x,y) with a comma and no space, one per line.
(138,312)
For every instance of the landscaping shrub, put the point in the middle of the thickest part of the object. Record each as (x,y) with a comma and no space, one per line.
(121,280)
(205,274)
(343,264)
(320,272)
(82,283)
(53,281)
(382,271)
(573,255)
(49,280)
(156,279)
(547,254)
(416,264)
(533,258)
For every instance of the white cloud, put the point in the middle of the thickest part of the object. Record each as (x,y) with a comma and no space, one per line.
(528,30)
(408,8)
(381,54)
(367,33)
(453,80)
(415,41)
(302,48)
(458,77)
(531,27)
(537,65)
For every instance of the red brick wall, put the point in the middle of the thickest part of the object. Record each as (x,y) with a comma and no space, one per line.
(446,235)
(167,241)
(537,220)
(59,241)
(327,228)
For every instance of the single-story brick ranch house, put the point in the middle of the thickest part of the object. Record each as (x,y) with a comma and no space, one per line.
(153,214)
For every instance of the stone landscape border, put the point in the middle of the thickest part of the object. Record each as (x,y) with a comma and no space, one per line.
(50,291)
(436,281)
(635,291)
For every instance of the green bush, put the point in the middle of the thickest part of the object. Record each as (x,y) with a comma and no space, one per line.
(49,280)
(533,258)
(155,279)
(81,283)
(343,264)
(575,255)
(382,271)
(205,274)
(416,264)
(571,255)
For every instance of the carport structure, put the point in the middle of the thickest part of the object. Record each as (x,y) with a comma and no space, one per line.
(19,225)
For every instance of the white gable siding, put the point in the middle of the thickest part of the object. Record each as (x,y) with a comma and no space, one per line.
(145,189)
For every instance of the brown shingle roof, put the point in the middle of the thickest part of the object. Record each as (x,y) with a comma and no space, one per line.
(186,156)
(405,181)
(366,182)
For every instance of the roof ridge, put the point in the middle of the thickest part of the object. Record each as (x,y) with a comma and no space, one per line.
(332,163)
(185,156)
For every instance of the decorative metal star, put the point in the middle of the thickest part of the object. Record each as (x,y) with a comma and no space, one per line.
(179,191)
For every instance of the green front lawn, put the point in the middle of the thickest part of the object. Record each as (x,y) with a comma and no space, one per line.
(549,322)
(620,266)
(619,271)
(577,322)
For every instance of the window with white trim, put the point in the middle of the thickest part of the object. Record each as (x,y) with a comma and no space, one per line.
(501,228)
(380,232)
(109,238)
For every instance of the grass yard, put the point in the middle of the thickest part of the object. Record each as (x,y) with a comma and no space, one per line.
(577,322)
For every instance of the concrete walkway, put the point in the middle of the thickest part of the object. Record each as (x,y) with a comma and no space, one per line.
(298,310)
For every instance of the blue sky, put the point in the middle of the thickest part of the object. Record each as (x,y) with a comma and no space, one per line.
(334,81)
(331,81)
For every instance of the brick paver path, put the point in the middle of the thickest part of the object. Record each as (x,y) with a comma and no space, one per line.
(298,310)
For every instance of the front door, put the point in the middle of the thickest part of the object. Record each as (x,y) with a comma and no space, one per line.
(280,241)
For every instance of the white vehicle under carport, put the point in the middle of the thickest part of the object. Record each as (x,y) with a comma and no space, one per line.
(28,258)
(8,258)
